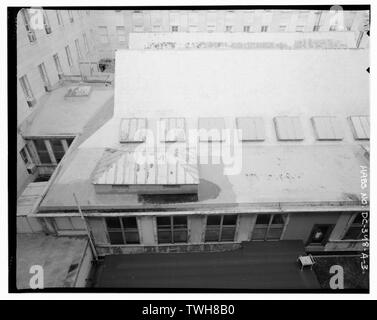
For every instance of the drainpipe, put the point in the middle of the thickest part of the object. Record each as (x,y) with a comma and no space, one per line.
(359,38)
(87,229)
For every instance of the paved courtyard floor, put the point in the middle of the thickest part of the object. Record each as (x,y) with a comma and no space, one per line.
(257,265)
(59,257)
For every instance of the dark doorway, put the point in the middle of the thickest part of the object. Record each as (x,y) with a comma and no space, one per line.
(320,234)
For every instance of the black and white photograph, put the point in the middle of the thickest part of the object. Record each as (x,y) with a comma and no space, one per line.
(189,149)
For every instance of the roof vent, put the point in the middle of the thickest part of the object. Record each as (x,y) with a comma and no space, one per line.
(78,93)
(161,171)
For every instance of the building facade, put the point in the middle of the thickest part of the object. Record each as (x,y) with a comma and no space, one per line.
(46,52)
(285,190)
(113,27)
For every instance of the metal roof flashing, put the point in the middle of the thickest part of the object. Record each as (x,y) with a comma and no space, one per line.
(145,171)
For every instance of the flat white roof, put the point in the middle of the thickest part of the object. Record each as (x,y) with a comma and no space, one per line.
(237,83)
(242,82)
(230,84)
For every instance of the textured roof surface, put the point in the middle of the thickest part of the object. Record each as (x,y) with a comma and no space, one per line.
(130,167)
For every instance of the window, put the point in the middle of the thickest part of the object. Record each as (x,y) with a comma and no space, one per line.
(30,32)
(301,21)
(193,21)
(59,17)
(42,151)
(174,21)
(121,33)
(70,15)
(24,156)
(284,20)
(354,231)
(211,21)
(58,149)
(247,21)
(220,228)
(69,57)
(360,127)
(122,230)
(172,229)
(46,23)
(264,28)
(25,85)
(44,76)
(269,227)
(156,20)
(85,42)
(246,29)
(229,21)
(349,18)
(317,20)
(288,128)
(138,21)
(78,49)
(131,232)
(58,66)
(103,35)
